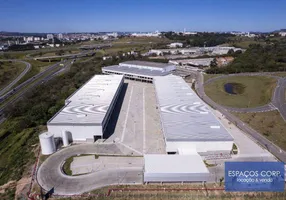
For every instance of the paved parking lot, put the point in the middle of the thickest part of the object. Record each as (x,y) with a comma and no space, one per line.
(88,164)
(136,121)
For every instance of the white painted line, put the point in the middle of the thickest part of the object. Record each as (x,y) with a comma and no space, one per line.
(144,123)
(127,113)
(131,148)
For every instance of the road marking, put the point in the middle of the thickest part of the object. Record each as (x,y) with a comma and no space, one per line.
(125,122)
(140,153)
(144,122)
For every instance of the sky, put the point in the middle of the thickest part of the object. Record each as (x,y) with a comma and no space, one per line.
(141,15)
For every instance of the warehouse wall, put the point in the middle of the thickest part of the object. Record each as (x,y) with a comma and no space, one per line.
(200,146)
(79,133)
(175,177)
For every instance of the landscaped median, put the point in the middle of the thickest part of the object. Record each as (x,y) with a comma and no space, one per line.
(245,91)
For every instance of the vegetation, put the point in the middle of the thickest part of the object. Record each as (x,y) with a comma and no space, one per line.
(9,194)
(200,39)
(19,133)
(257,92)
(257,58)
(234,149)
(67,165)
(269,124)
(9,71)
(209,76)
(173,192)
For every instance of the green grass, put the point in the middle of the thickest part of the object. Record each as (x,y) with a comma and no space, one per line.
(234,149)
(270,124)
(282,74)
(257,92)
(16,151)
(9,71)
(67,165)
(209,76)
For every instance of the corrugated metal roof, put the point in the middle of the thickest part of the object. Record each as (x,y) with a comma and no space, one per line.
(146,63)
(184,116)
(135,71)
(89,104)
(163,163)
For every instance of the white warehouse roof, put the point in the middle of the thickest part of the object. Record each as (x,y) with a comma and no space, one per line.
(90,103)
(145,63)
(164,163)
(184,116)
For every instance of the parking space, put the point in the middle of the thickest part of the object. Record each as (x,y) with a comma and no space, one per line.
(136,119)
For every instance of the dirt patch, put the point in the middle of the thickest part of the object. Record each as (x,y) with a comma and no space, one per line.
(7,185)
(21,184)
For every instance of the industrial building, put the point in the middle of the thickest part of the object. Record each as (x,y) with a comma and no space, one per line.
(87,111)
(140,70)
(187,122)
(174,168)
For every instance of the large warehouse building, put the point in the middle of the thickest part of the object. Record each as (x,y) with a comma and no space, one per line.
(191,132)
(86,112)
(140,70)
(188,124)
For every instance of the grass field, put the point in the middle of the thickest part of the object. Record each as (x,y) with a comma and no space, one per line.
(173,192)
(257,92)
(269,124)
(209,76)
(9,71)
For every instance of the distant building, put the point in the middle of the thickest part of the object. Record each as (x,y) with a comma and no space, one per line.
(222,61)
(140,70)
(50,36)
(29,39)
(282,33)
(60,36)
(156,34)
(115,35)
(175,45)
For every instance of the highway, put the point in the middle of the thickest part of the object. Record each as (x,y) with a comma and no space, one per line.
(78,55)
(30,80)
(271,147)
(8,87)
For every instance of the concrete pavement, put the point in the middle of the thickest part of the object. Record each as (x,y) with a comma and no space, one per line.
(50,175)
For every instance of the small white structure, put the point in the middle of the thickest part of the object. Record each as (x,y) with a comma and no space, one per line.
(175,45)
(282,33)
(47,142)
(174,168)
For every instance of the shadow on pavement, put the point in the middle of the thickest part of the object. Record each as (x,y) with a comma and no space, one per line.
(115,113)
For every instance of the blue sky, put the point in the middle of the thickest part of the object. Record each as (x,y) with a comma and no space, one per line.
(141,15)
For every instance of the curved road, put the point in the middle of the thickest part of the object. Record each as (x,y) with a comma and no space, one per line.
(50,175)
(8,87)
(278,97)
(271,147)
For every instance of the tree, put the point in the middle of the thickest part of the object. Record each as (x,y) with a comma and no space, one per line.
(213,63)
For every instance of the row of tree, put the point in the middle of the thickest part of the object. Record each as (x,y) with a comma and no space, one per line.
(257,58)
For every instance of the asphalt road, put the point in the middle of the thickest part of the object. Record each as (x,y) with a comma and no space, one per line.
(77,55)
(50,174)
(271,147)
(8,87)
(278,98)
